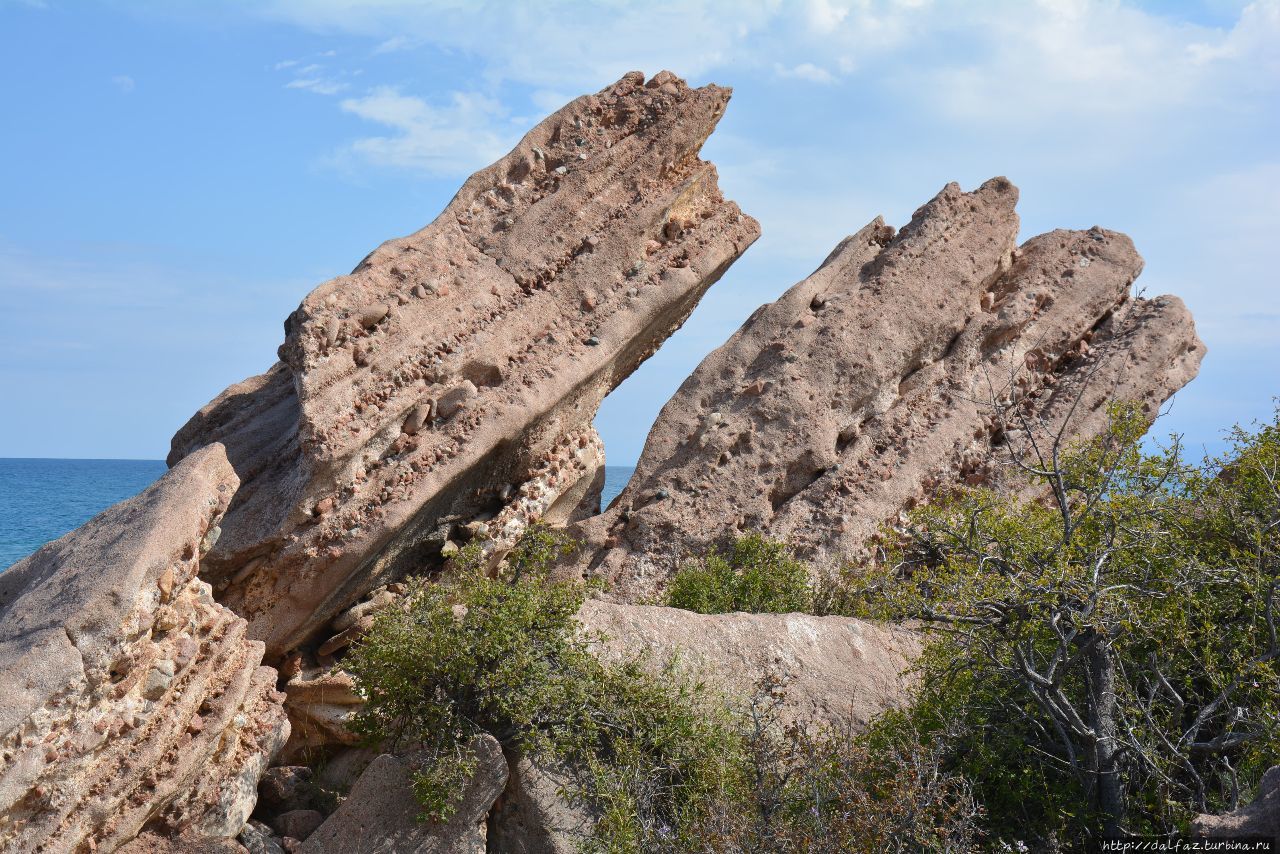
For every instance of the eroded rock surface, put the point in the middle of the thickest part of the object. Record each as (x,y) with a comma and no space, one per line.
(905,364)
(131,699)
(457,366)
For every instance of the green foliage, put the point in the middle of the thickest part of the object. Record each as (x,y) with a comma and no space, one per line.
(1124,631)
(505,655)
(756,575)
(661,764)
(816,788)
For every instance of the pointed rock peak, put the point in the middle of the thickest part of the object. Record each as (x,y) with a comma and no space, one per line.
(454,375)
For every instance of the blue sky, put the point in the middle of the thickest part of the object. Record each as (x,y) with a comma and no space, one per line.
(177,175)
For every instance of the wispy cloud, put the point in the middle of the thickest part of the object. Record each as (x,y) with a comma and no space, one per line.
(315,77)
(450,139)
(1095,57)
(319,85)
(124,83)
(806,71)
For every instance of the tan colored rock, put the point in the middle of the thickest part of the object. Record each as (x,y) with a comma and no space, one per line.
(337,495)
(873,384)
(380,815)
(131,698)
(1259,817)
(839,671)
(834,671)
(533,815)
(320,704)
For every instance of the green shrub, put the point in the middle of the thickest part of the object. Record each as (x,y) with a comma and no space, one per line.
(756,575)
(663,765)
(506,656)
(1106,660)
(819,788)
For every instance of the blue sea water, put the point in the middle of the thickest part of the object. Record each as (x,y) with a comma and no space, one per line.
(40,500)
(615,478)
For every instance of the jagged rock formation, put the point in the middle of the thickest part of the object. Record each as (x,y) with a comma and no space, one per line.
(131,699)
(904,365)
(427,389)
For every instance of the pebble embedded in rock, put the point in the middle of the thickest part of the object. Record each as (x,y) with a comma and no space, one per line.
(455,398)
(371,316)
(419,417)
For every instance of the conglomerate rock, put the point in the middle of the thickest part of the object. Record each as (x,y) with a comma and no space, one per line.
(131,699)
(427,389)
(904,365)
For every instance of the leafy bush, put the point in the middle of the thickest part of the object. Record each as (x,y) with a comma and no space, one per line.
(506,655)
(817,788)
(757,575)
(663,765)
(1106,660)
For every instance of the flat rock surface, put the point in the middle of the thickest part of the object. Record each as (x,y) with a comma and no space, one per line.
(834,670)
(380,815)
(131,698)
(905,365)
(431,385)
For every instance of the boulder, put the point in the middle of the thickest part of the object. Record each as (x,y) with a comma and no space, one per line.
(131,698)
(837,671)
(534,815)
(380,815)
(903,366)
(1260,817)
(298,824)
(460,367)
(831,671)
(320,704)
(286,788)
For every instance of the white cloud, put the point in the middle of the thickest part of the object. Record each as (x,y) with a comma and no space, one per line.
(124,83)
(318,85)
(314,76)
(436,140)
(974,60)
(806,71)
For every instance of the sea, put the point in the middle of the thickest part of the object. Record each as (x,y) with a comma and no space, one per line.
(40,500)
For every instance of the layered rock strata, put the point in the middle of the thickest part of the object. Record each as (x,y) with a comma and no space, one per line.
(131,699)
(419,393)
(908,363)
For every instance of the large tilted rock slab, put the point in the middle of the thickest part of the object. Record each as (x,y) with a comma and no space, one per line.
(130,697)
(904,365)
(837,671)
(435,383)
(812,671)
